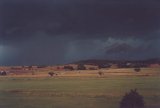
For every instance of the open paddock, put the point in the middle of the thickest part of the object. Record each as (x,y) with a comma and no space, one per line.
(78,89)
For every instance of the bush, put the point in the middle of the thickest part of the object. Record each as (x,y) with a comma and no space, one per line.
(100,66)
(137,69)
(132,100)
(51,73)
(68,68)
(92,68)
(3,73)
(100,73)
(81,67)
(42,66)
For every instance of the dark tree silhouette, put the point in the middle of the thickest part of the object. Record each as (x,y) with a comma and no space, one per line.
(51,73)
(100,73)
(30,67)
(92,68)
(33,72)
(100,66)
(68,68)
(137,69)
(81,67)
(132,100)
(3,73)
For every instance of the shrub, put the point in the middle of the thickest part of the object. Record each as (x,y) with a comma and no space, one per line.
(100,73)
(100,66)
(132,100)
(137,69)
(30,67)
(81,67)
(92,68)
(33,72)
(3,73)
(68,68)
(51,73)
(42,66)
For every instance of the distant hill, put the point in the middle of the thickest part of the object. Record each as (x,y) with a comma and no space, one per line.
(153,61)
(100,61)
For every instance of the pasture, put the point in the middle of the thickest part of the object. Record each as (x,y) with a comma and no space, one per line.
(79,89)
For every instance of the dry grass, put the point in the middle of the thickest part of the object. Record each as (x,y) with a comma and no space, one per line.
(78,89)
(83,73)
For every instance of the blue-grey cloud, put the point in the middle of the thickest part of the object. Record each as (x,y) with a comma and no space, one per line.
(20,19)
(59,31)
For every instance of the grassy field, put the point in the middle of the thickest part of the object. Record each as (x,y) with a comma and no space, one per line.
(85,91)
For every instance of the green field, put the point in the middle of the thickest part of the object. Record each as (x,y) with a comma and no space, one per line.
(76,92)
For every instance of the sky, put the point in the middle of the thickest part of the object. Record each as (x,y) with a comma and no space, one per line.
(46,32)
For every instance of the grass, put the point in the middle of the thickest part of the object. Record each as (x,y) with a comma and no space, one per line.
(78,92)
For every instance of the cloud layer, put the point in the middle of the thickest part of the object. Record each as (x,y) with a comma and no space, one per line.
(59,31)
(112,18)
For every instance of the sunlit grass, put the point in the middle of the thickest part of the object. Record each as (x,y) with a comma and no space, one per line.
(75,92)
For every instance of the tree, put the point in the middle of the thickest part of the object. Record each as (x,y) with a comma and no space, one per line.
(3,73)
(81,67)
(100,66)
(92,68)
(68,68)
(137,69)
(33,72)
(30,68)
(100,73)
(132,100)
(51,73)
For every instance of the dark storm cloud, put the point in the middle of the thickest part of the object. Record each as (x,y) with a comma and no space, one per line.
(39,50)
(23,18)
(59,31)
